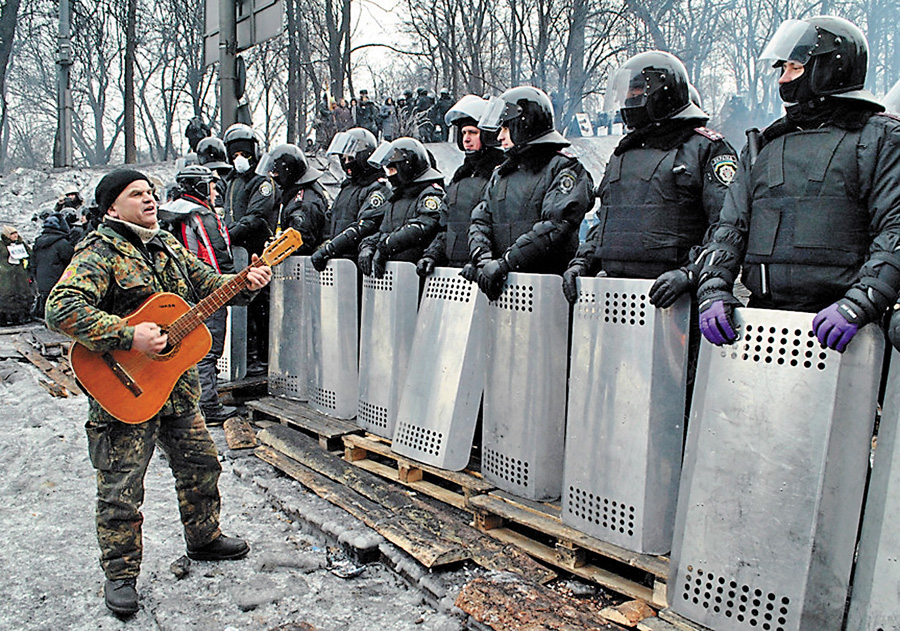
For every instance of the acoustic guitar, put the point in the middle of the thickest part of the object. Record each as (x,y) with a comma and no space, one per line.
(132,385)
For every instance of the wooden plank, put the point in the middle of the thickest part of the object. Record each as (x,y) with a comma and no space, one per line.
(655,624)
(427,551)
(628,614)
(300,414)
(680,623)
(29,353)
(550,525)
(239,434)
(54,389)
(588,572)
(442,527)
(514,605)
(463,479)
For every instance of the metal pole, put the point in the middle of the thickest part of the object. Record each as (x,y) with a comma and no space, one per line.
(64,96)
(227,54)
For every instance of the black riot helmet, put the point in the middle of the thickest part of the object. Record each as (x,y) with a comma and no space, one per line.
(409,157)
(241,137)
(195,180)
(466,112)
(833,51)
(288,166)
(211,153)
(354,146)
(527,112)
(651,87)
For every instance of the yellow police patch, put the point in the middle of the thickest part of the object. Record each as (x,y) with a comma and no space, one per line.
(725,168)
(431,203)
(567,182)
(376,199)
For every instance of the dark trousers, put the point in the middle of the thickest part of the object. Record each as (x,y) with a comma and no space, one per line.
(121,453)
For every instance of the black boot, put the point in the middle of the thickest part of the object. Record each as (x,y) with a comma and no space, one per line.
(221,548)
(218,415)
(121,596)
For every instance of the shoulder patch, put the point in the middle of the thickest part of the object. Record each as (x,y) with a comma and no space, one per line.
(567,181)
(724,167)
(709,133)
(67,274)
(431,202)
(376,199)
(266,189)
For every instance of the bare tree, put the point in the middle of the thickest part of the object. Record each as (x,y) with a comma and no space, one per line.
(9,13)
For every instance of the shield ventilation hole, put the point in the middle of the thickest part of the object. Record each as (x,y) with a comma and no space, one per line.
(455,288)
(324,278)
(385,283)
(781,346)
(285,385)
(516,298)
(421,439)
(291,269)
(323,398)
(612,515)
(624,308)
(372,415)
(512,470)
(744,606)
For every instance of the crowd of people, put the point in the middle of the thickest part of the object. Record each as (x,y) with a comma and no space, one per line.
(419,115)
(808,216)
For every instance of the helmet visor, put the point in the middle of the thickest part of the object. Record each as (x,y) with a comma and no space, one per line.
(469,106)
(266,165)
(626,88)
(498,112)
(343,144)
(795,40)
(382,155)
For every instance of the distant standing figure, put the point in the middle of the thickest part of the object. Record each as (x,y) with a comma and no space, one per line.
(16,294)
(196,131)
(51,254)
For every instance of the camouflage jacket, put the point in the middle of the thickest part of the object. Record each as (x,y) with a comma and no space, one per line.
(108,278)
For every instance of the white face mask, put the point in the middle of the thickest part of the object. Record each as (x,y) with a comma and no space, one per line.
(241,164)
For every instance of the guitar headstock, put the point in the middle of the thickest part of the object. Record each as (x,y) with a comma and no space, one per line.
(281,248)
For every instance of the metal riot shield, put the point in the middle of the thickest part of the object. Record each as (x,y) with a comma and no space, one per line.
(523,430)
(288,356)
(875,602)
(773,477)
(387,326)
(331,304)
(232,365)
(625,413)
(442,393)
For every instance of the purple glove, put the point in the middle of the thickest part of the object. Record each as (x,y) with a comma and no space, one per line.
(836,324)
(717,321)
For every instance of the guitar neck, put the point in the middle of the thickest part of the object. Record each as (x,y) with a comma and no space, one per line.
(208,306)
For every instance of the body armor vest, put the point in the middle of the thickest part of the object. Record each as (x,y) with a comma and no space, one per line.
(641,217)
(462,197)
(806,207)
(349,200)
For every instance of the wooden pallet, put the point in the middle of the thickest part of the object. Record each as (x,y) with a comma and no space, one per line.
(538,529)
(677,623)
(451,487)
(298,415)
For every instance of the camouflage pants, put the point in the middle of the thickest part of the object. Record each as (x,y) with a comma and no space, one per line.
(121,453)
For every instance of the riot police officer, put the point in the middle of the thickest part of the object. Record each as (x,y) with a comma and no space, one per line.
(450,245)
(412,214)
(211,154)
(191,218)
(304,203)
(251,204)
(533,205)
(815,219)
(359,207)
(663,187)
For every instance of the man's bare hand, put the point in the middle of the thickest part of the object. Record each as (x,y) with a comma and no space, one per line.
(148,338)
(258,277)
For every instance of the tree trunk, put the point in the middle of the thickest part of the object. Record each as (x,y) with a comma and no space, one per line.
(130,46)
(8,15)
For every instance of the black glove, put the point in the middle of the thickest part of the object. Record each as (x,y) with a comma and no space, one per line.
(570,291)
(425,266)
(491,278)
(669,287)
(364,260)
(319,258)
(379,260)
(469,272)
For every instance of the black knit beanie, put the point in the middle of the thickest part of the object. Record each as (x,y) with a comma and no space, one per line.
(112,184)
